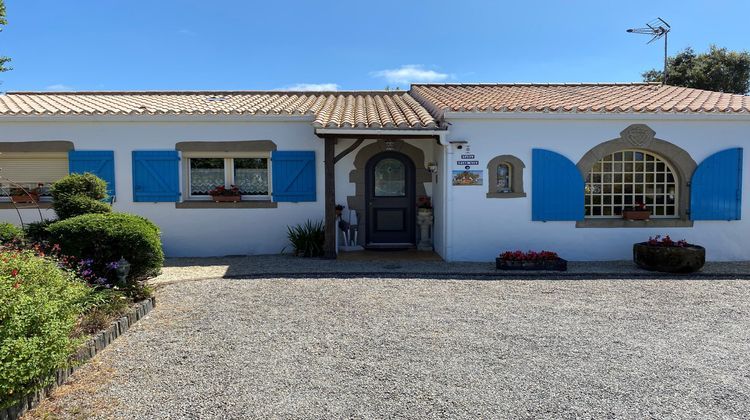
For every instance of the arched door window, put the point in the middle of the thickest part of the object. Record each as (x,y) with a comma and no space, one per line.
(390,178)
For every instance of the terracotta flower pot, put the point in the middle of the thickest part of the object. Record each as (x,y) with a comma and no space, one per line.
(226,198)
(669,259)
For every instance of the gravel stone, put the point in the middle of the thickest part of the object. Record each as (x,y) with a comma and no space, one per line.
(385,348)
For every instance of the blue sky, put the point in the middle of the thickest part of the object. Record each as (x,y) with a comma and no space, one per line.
(222,44)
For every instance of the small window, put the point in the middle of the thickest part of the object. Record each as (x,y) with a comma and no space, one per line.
(503,178)
(250,174)
(506,177)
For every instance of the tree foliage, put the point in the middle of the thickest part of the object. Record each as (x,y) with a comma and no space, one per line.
(717,70)
(3,22)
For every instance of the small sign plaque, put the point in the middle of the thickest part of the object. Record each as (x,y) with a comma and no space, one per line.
(468,156)
(467,162)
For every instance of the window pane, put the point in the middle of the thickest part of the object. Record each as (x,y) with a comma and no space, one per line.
(251,176)
(390,178)
(503,178)
(633,178)
(205,175)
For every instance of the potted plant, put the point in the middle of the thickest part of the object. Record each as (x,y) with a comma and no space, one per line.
(531,260)
(424,205)
(222,194)
(23,195)
(664,254)
(639,212)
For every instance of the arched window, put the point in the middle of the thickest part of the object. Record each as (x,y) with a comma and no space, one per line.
(632,179)
(506,177)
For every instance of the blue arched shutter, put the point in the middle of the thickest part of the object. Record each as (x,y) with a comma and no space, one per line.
(556,187)
(156,176)
(716,187)
(98,162)
(293,176)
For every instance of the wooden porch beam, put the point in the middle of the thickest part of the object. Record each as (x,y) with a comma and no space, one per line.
(348,150)
(329,248)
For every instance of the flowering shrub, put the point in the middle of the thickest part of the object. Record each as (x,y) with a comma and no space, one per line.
(232,191)
(666,241)
(529,256)
(39,307)
(97,273)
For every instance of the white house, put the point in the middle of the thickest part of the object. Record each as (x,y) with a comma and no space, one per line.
(507,166)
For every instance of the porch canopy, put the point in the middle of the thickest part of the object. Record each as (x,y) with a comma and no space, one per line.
(360,116)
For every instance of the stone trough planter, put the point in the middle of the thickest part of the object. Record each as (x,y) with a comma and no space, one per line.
(669,259)
(558,264)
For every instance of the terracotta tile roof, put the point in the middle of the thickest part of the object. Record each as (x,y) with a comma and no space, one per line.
(576,98)
(387,110)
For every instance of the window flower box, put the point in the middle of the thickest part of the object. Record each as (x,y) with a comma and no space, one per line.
(666,255)
(528,261)
(21,195)
(222,194)
(30,197)
(226,198)
(640,212)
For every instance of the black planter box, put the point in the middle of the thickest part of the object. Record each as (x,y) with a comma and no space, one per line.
(669,259)
(544,265)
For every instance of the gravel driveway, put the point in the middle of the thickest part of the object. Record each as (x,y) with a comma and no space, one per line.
(377,348)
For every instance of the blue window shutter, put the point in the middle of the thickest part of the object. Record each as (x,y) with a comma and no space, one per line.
(156,176)
(293,176)
(556,187)
(716,187)
(98,162)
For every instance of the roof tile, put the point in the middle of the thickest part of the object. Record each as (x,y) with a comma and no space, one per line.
(330,109)
(576,98)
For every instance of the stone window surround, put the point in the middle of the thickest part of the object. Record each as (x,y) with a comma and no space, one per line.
(241,148)
(51,146)
(642,137)
(358,177)
(516,177)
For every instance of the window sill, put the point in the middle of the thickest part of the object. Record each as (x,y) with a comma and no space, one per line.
(506,195)
(238,205)
(42,205)
(622,223)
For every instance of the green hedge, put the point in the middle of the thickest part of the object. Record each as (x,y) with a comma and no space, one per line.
(107,237)
(39,306)
(78,194)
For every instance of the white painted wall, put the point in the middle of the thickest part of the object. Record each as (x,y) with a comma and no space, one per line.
(187,232)
(473,228)
(480,227)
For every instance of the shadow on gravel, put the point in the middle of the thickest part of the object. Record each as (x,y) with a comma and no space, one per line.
(286,266)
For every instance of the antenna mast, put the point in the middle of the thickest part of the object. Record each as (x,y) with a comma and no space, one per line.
(657,28)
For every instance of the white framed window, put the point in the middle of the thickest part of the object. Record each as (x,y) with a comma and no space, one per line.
(33,172)
(628,179)
(251,173)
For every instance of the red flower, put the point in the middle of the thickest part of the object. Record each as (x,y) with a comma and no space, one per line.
(14,272)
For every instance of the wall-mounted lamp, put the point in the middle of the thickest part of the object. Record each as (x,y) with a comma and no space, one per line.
(432,167)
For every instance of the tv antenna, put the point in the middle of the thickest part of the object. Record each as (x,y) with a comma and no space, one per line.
(657,28)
